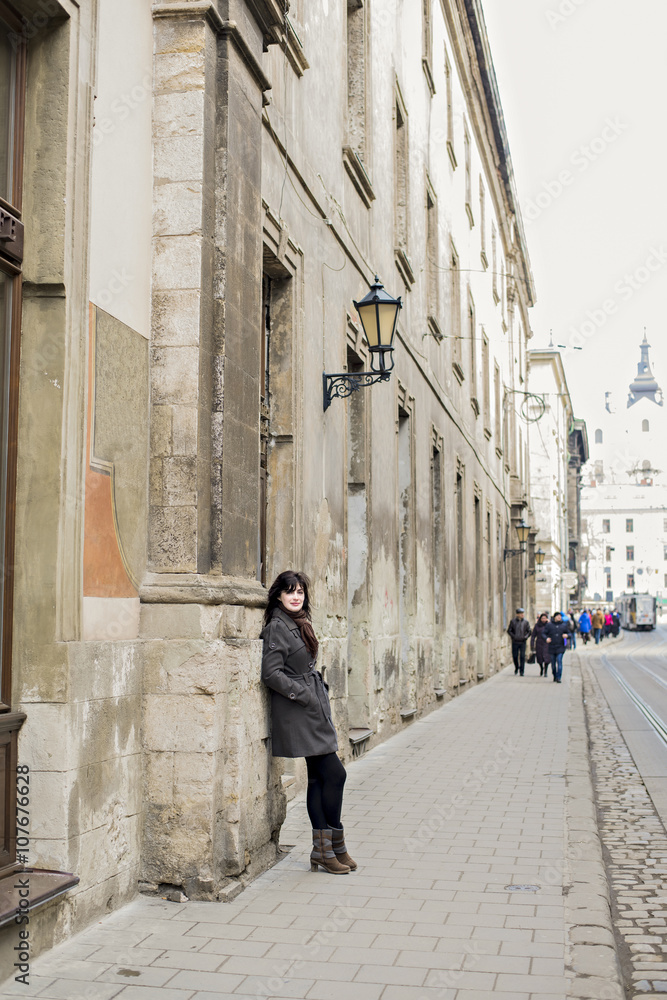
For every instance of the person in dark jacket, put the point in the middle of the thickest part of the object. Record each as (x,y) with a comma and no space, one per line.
(556,634)
(519,632)
(616,627)
(538,644)
(301,723)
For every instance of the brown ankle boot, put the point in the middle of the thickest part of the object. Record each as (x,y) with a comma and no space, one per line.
(340,850)
(322,854)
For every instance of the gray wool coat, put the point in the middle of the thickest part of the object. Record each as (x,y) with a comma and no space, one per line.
(301,724)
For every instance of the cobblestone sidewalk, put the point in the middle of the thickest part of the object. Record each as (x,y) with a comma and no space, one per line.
(636,844)
(479,875)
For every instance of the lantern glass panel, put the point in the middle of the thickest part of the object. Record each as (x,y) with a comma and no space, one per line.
(387,320)
(523,531)
(369,323)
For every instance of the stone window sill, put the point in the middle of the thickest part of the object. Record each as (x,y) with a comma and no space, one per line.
(452,154)
(358,175)
(359,739)
(404,266)
(428,73)
(43,886)
(434,328)
(294,50)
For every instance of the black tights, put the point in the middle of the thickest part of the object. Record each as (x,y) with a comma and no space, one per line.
(324,799)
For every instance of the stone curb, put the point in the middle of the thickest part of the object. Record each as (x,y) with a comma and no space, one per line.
(592,963)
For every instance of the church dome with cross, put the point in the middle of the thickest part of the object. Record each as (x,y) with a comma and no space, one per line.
(628,433)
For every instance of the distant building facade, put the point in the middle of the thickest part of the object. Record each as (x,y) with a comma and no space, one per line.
(207,188)
(624,502)
(626,525)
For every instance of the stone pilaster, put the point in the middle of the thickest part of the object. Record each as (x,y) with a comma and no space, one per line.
(182,328)
(212,796)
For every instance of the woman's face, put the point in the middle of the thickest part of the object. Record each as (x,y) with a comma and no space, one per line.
(292,600)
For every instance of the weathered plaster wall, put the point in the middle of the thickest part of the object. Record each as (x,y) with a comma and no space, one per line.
(372,553)
(81,738)
(549,439)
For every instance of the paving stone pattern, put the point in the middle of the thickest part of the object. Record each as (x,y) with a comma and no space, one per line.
(442,819)
(635,844)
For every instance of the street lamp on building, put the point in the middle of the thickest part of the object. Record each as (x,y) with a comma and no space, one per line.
(523,532)
(378,313)
(539,560)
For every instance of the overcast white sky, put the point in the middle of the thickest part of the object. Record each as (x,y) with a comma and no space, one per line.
(584,92)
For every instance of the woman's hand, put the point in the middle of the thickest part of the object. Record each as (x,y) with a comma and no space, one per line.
(548,640)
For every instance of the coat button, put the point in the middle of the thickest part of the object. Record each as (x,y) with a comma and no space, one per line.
(292,696)
(273,645)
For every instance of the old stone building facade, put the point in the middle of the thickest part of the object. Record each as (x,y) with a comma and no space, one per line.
(558,445)
(208,187)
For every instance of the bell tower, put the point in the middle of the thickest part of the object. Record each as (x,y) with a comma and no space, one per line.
(644,385)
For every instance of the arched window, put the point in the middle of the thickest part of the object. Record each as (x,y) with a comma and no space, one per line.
(598,436)
(644,425)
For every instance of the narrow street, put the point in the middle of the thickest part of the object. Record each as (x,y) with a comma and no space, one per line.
(480,874)
(626,704)
(633,677)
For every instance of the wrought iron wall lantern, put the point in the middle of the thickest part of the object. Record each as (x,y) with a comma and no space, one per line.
(539,560)
(523,532)
(378,313)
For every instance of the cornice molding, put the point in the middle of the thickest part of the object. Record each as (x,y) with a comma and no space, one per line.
(207,11)
(193,588)
(190,11)
(270,16)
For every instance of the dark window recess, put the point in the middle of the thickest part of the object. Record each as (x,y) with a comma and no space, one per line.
(459,530)
(265,346)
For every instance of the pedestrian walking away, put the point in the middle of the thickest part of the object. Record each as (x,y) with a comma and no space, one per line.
(616,627)
(585,626)
(301,723)
(598,626)
(573,629)
(608,623)
(519,632)
(538,644)
(556,634)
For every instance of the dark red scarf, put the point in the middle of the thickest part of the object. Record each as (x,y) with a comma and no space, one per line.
(306,629)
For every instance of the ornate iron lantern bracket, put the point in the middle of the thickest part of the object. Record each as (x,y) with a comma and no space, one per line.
(340,385)
(378,313)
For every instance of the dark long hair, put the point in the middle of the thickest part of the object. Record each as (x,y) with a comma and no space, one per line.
(287,581)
